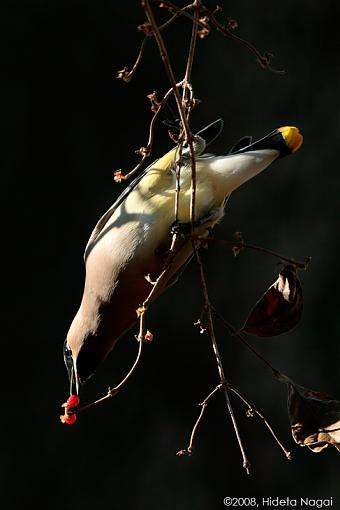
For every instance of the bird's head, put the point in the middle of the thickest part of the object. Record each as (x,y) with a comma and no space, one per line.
(82,363)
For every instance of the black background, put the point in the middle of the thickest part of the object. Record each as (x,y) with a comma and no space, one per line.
(67,125)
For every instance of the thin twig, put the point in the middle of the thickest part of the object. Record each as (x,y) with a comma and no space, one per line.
(141,311)
(242,245)
(112,392)
(299,265)
(188,103)
(208,307)
(238,335)
(251,410)
(187,87)
(146,151)
(167,64)
(179,165)
(188,450)
(262,59)
(126,75)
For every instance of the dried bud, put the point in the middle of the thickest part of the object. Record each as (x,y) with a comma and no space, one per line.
(155,104)
(280,308)
(148,337)
(217,9)
(146,29)
(118,176)
(201,326)
(232,24)
(238,246)
(140,310)
(186,452)
(173,136)
(265,60)
(143,151)
(124,75)
(164,5)
(205,28)
(195,102)
(236,249)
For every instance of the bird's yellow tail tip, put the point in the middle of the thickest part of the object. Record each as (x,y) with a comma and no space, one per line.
(292,137)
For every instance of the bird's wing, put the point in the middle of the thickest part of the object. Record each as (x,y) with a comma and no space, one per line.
(209,133)
(107,215)
(245,141)
(212,131)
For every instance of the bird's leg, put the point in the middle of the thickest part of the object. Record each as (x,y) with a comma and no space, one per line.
(208,220)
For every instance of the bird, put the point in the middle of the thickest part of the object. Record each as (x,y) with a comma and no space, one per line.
(130,243)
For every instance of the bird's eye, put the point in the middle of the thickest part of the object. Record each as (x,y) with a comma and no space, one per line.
(67,351)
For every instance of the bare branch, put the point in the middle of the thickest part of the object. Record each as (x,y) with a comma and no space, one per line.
(239,335)
(127,75)
(208,307)
(250,413)
(147,150)
(263,59)
(238,245)
(188,137)
(188,103)
(141,311)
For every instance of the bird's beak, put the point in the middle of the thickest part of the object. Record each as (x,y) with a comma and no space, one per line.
(74,380)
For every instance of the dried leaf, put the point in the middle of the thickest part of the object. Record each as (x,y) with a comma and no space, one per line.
(280,308)
(314,417)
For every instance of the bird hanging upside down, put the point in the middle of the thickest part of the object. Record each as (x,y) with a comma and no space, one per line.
(132,238)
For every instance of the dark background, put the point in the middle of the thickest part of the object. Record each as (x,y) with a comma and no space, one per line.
(67,125)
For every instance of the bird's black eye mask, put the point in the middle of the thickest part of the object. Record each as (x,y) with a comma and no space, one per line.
(71,369)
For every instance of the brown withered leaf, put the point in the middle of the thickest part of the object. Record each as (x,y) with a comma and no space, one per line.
(280,308)
(314,417)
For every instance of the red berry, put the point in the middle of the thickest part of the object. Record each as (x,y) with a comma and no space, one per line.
(72,401)
(69,419)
